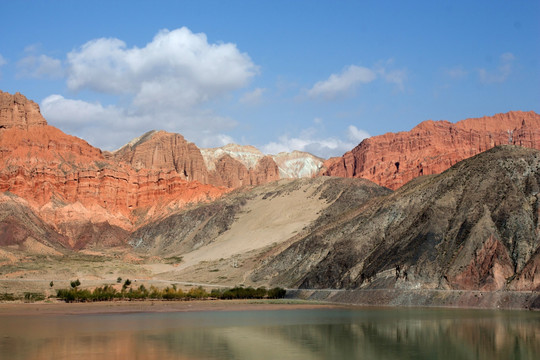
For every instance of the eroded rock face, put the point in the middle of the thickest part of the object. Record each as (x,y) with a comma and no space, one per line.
(160,150)
(393,159)
(73,186)
(232,166)
(16,111)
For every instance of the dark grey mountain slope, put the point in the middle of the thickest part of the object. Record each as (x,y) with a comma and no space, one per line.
(475,226)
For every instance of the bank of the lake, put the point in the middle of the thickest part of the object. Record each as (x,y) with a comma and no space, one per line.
(508,300)
(149,306)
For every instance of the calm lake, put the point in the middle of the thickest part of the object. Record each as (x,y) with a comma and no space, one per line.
(277,334)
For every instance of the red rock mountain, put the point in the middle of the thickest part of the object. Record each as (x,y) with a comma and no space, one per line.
(160,150)
(72,185)
(85,194)
(393,159)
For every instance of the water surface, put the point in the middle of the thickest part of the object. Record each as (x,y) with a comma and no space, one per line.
(276,334)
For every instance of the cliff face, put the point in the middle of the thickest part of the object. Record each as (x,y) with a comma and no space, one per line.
(72,185)
(231,166)
(19,112)
(159,150)
(393,159)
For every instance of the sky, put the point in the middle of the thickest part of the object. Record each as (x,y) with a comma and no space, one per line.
(316,76)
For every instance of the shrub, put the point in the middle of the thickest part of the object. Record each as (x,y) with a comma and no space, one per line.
(32,296)
(276,293)
(108,293)
(7,297)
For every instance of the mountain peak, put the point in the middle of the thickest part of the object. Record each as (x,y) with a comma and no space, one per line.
(16,111)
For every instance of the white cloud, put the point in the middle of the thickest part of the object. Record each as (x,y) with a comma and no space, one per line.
(355,134)
(110,127)
(343,83)
(163,86)
(502,72)
(39,66)
(252,97)
(177,68)
(320,146)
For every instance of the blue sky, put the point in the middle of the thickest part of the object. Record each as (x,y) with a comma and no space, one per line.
(317,76)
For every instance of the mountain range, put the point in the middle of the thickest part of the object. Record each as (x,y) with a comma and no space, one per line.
(445,206)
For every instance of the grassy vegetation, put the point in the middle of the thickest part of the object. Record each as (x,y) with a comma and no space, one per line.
(109,293)
(7,297)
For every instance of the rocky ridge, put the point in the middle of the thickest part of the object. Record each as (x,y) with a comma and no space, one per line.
(231,166)
(393,159)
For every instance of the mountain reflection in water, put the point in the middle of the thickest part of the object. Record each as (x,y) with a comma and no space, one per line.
(278,334)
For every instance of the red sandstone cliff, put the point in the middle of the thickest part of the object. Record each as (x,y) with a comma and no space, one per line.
(16,111)
(393,159)
(71,183)
(168,151)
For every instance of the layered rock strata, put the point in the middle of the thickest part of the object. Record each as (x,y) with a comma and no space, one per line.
(71,183)
(393,159)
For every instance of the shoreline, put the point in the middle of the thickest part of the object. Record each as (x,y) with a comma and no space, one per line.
(426,298)
(155,306)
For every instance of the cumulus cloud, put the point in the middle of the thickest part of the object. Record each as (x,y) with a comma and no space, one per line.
(310,141)
(342,83)
(177,68)
(110,127)
(500,74)
(39,66)
(164,85)
(252,97)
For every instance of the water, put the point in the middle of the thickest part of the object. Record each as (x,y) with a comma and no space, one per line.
(278,334)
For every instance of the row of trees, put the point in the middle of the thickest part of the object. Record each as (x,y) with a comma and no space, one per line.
(109,293)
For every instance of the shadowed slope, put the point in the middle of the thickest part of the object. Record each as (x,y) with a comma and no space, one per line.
(474,226)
